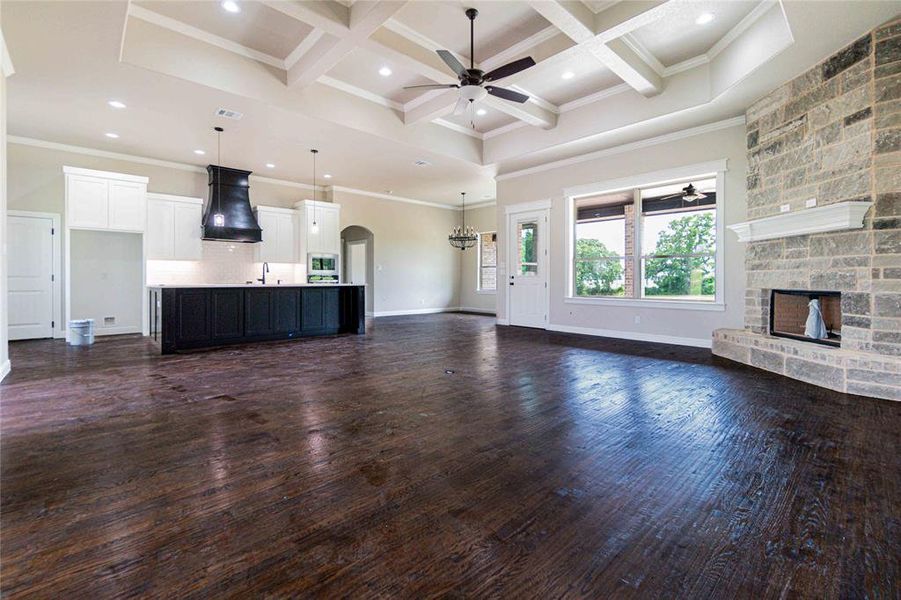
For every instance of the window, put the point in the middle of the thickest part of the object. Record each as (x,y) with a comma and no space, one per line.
(656,243)
(603,252)
(487,262)
(528,244)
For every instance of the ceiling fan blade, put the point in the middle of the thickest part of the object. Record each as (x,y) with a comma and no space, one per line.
(510,69)
(506,94)
(462,105)
(451,61)
(434,86)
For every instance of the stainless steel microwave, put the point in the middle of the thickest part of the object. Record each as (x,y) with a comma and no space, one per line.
(322,264)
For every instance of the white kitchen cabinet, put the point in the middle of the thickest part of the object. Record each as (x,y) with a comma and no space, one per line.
(278,245)
(325,237)
(106,201)
(173,227)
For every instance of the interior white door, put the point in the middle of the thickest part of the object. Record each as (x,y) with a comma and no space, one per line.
(30,281)
(356,269)
(527,268)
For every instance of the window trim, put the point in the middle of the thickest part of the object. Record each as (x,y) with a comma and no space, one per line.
(707,169)
(479,289)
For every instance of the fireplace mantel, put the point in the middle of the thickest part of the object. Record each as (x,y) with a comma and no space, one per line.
(834,217)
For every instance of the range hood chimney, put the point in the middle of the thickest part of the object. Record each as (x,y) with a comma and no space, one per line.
(230,198)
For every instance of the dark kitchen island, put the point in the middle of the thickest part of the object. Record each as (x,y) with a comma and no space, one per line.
(191,317)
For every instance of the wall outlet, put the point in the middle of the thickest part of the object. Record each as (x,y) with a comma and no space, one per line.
(109,321)
(637,319)
(785,208)
(811,203)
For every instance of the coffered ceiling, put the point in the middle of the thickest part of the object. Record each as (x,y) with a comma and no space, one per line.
(333,73)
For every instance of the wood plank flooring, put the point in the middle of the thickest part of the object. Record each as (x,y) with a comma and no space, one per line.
(543,466)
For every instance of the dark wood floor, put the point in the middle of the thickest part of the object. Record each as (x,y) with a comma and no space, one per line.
(545,465)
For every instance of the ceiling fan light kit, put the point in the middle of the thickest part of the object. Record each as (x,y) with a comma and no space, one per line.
(472,81)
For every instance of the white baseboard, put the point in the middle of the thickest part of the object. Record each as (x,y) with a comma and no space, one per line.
(5,368)
(481,311)
(123,329)
(633,335)
(415,311)
(369,313)
(503,321)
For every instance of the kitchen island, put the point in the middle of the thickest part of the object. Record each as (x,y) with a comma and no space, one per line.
(192,317)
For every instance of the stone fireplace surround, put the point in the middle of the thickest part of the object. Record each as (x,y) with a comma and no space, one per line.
(834,134)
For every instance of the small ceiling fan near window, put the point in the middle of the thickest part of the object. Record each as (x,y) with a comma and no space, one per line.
(689,193)
(472,81)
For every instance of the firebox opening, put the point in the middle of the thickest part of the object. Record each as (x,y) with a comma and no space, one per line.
(793,314)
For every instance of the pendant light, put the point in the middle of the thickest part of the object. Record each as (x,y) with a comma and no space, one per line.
(463,237)
(315,227)
(218,217)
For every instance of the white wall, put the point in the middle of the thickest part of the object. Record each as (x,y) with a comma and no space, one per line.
(107,279)
(683,326)
(4,317)
(415,268)
(484,219)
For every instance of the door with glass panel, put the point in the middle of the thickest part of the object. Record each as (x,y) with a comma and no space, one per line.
(527,268)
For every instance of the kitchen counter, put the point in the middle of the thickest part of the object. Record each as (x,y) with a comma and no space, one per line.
(251,285)
(192,317)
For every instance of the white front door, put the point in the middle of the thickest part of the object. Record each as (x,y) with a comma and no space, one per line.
(356,268)
(527,268)
(30,277)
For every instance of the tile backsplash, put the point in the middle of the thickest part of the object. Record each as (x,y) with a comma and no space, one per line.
(222,262)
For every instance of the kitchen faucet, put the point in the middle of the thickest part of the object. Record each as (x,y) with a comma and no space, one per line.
(265,270)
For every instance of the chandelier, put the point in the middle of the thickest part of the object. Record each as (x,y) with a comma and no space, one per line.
(463,237)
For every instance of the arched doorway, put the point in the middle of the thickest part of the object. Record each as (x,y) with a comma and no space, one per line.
(359,262)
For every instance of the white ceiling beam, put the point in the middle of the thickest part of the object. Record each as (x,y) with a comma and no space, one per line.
(580,25)
(530,112)
(303,47)
(433,108)
(365,19)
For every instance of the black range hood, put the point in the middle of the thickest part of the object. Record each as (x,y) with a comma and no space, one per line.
(230,197)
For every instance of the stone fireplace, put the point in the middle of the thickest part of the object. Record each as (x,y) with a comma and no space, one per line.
(832,134)
(790,313)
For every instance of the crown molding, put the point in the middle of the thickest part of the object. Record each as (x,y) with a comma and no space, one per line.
(35,143)
(504,129)
(592,98)
(742,26)
(459,128)
(652,141)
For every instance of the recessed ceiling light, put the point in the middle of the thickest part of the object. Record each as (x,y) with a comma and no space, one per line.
(270,166)
(481,112)
(200,152)
(111,135)
(384,71)
(704,18)
(116,104)
(568,75)
(327,176)
(231,6)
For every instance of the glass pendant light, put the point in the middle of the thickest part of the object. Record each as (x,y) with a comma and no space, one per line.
(218,217)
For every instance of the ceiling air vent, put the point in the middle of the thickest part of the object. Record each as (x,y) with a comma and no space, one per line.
(229,114)
(421,163)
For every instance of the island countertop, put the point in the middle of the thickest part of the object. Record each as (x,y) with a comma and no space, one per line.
(249,285)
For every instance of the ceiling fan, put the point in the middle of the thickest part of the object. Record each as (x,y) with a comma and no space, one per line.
(472,80)
(689,193)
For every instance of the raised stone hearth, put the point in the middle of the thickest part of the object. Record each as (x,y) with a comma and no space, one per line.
(833,134)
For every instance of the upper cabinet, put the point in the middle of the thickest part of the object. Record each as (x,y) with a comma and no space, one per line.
(320,227)
(173,227)
(105,200)
(278,224)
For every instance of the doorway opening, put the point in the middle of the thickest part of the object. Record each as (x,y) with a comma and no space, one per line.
(359,261)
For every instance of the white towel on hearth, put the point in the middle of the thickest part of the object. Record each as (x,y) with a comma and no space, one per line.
(815,327)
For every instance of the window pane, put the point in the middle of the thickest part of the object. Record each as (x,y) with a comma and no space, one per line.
(488,277)
(679,233)
(679,278)
(605,277)
(528,238)
(600,239)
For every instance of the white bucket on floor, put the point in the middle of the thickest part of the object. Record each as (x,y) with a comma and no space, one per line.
(81,332)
